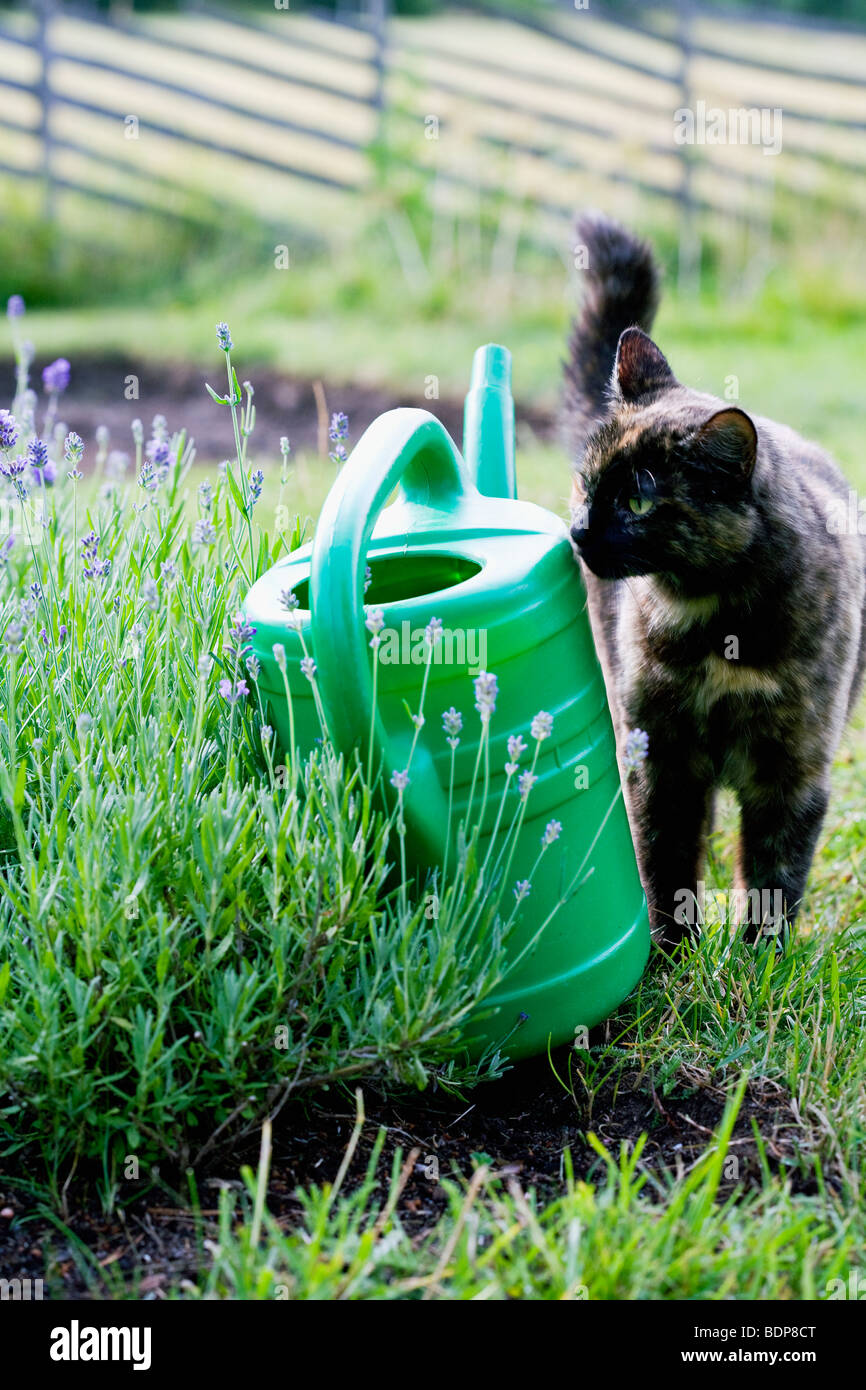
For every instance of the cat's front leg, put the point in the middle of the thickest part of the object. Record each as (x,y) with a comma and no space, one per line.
(779,831)
(671,806)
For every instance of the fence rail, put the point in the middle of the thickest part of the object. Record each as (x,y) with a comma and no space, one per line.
(574,104)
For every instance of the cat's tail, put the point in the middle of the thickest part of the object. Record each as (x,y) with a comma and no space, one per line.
(620,290)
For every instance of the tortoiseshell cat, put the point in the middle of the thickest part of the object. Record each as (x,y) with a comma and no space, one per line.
(727,607)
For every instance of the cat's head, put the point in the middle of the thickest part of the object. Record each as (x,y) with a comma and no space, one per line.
(665,484)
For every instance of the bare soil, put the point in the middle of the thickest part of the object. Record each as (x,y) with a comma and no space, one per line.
(519,1126)
(284,405)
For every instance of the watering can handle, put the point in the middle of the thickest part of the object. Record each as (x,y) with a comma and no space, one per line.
(410,448)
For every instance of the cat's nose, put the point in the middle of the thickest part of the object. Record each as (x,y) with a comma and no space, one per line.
(579,533)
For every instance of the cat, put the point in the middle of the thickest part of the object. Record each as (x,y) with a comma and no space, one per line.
(726,602)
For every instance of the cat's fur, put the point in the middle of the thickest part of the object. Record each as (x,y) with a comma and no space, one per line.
(736,542)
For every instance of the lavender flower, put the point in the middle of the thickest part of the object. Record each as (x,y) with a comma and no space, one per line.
(525,783)
(14,306)
(433,632)
(516,746)
(374,622)
(203,533)
(150,593)
(205,495)
(452,723)
(541,726)
(254,667)
(285,447)
(308,667)
(9,430)
(156,464)
(233,693)
(44,468)
(14,637)
(337,433)
(256,483)
(522,889)
(14,469)
(289,600)
(552,832)
(279,652)
(55,377)
(636,749)
(339,426)
(73,452)
(486,691)
(93,566)
(159,451)
(400,780)
(224,337)
(240,635)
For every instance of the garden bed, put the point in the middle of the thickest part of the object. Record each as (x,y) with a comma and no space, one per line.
(155,1245)
(284,405)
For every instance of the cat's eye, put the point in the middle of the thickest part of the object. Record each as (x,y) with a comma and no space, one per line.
(643,499)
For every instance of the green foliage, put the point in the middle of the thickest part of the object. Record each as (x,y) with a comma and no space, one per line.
(188,939)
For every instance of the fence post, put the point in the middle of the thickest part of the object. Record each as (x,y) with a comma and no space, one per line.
(379,27)
(45,13)
(689,267)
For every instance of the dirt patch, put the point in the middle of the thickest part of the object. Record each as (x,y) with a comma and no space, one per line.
(285,405)
(520,1126)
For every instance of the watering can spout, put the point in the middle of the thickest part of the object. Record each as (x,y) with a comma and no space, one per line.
(488,423)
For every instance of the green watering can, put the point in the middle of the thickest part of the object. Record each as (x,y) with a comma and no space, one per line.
(500,575)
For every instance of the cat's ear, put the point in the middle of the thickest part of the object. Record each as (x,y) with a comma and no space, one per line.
(641,368)
(730,440)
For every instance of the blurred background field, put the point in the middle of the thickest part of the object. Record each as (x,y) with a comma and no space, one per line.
(365,195)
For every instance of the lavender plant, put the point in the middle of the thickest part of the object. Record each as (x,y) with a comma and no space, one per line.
(186,942)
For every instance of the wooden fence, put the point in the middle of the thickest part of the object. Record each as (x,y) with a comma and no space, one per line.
(287,112)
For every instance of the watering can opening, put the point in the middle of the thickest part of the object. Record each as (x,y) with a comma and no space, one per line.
(403,576)
(395,577)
